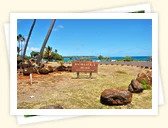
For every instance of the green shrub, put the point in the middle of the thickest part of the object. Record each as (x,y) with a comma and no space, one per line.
(145,85)
(56,56)
(104,59)
(128,58)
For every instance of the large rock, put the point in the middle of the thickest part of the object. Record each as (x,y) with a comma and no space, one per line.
(62,68)
(135,87)
(27,71)
(44,71)
(145,77)
(149,75)
(23,65)
(69,68)
(115,97)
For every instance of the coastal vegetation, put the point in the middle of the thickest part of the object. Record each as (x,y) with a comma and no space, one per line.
(51,55)
(127,58)
(104,59)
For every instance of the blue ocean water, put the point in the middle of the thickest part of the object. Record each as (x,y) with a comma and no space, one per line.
(95,59)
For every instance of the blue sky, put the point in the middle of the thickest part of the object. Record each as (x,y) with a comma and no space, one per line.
(107,37)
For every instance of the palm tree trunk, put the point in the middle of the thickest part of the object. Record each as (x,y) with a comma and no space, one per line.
(45,41)
(29,35)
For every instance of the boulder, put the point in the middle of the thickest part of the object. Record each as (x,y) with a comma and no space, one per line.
(115,97)
(145,77)
(69,68)
(62,68)
(27,71)
(135,87)
(52,107)
(44,71)
(149,75)
(23,65)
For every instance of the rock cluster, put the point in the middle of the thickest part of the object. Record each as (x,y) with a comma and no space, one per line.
(123,97)
(30,66)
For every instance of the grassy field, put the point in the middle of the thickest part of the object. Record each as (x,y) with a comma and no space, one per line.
(62,88)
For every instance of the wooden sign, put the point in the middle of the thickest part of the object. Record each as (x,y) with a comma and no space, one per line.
(84,66)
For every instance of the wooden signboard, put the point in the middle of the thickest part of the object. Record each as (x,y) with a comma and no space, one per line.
(84,66)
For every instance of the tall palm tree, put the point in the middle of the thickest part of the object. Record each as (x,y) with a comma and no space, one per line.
(29,35)
(20,39)
(45,41)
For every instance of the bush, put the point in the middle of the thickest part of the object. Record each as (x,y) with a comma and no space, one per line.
(34,54)
(56,56)
(104,59)
(145,85)
(128,58)
(100,57)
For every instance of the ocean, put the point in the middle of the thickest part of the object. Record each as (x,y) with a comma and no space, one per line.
(95,59)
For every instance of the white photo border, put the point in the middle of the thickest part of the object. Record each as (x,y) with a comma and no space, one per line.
(13,64)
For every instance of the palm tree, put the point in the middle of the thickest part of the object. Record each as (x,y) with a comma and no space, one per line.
(20,39)
(29,35)
(48,52)
(45,41)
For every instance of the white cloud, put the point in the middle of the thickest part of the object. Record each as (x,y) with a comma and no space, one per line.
(58,27)
(33,49)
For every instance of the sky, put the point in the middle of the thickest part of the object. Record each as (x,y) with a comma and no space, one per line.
(88,37)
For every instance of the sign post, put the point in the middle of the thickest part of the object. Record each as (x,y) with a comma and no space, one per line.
(31,78)
(84,66)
